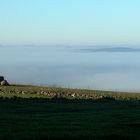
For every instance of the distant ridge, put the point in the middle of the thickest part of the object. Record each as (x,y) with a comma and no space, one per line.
(113,49)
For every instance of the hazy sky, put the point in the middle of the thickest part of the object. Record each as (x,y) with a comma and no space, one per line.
(69,21)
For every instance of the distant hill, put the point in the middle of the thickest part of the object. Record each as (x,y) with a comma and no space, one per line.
(112,49)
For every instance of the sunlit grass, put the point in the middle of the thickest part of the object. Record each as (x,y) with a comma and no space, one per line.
(49,92)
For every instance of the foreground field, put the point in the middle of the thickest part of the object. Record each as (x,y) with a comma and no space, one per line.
(39,117)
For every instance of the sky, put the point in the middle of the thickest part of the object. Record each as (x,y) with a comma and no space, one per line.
(69,22)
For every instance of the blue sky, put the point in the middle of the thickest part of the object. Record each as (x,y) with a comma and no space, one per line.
(69,22)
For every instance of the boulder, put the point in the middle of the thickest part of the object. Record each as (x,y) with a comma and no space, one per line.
(4,83)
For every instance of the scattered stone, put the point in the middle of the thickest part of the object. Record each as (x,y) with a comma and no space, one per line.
(101,96)
(42,92)
(73,95)
(45,93)
(18,92)
(23,92)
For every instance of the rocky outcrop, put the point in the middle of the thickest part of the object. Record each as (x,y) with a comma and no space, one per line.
(3,82)
(1,78)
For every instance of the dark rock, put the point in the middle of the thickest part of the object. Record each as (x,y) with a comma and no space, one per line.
(1,78)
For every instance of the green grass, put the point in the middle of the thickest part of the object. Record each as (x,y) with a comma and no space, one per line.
(34,116)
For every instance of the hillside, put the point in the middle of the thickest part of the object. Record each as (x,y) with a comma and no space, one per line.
(27,91)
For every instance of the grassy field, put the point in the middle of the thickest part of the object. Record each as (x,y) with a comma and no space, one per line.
(37,113)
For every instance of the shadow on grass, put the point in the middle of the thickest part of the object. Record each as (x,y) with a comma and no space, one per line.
(113,137)
(58,99)
(59,118)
